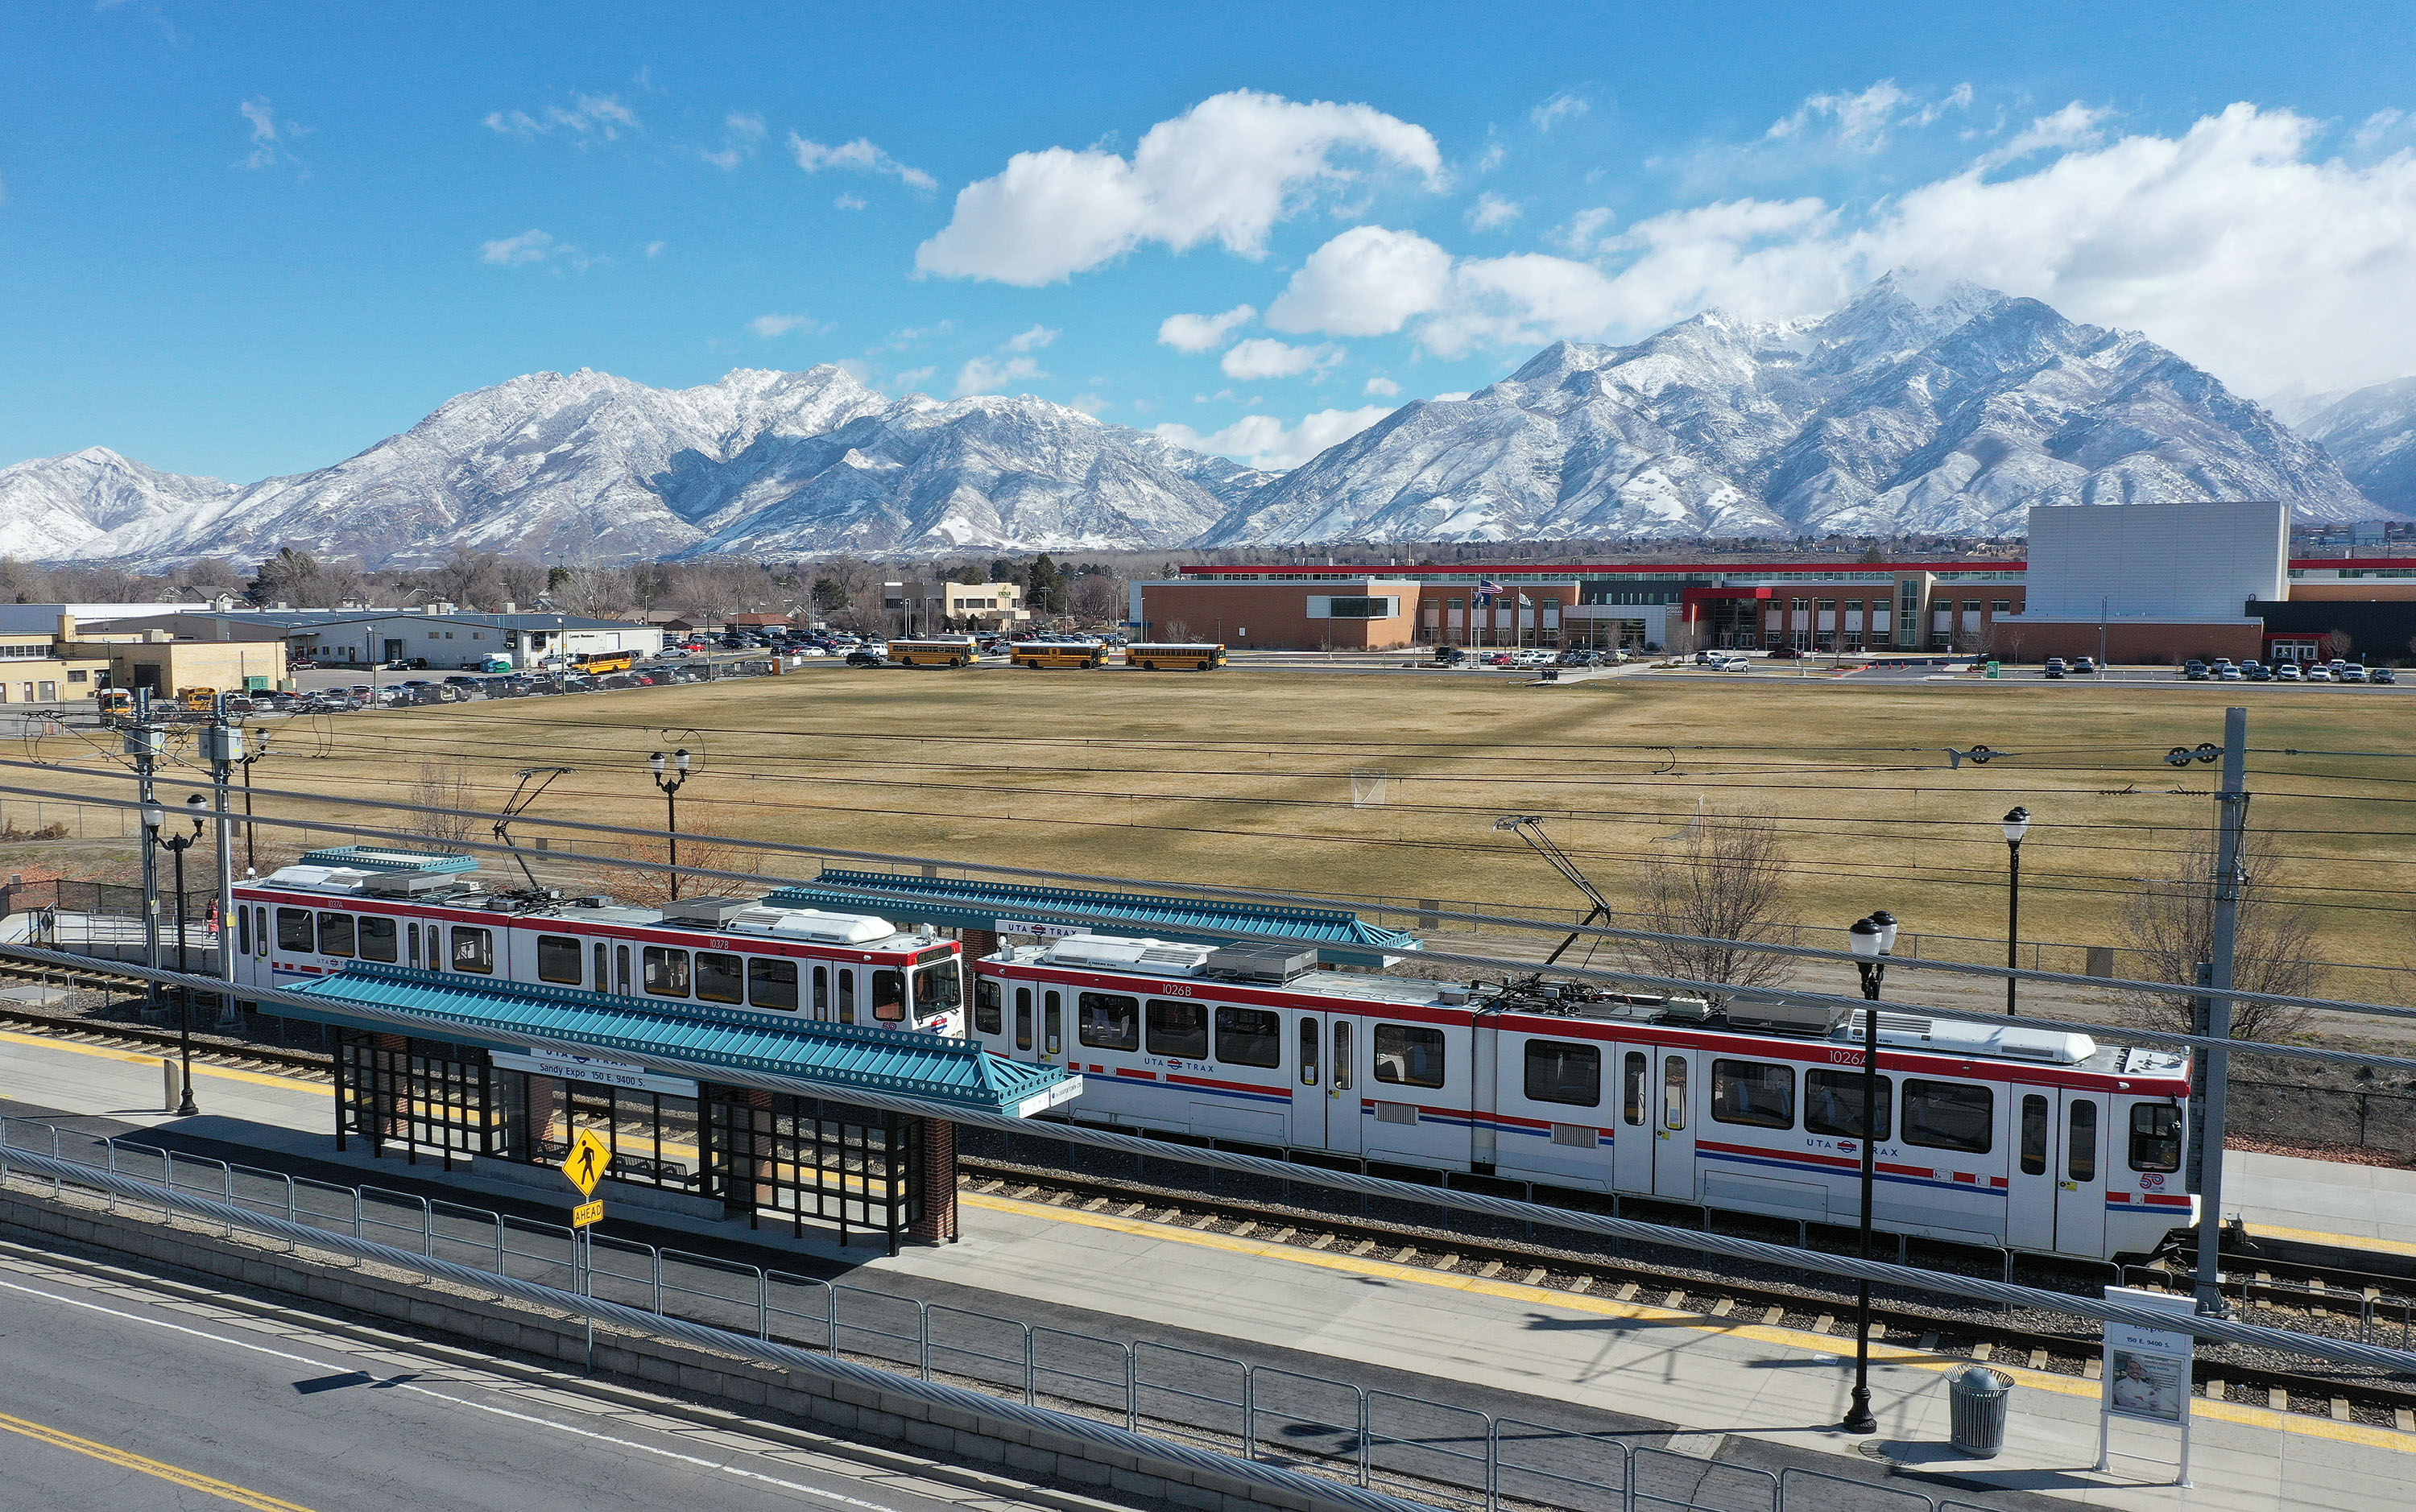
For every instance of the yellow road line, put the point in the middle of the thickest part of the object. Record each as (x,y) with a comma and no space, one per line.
(128,1459)
(2265,1418)
(2342,1241)
(106,1052)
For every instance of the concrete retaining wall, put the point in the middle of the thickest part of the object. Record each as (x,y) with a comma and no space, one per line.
(514,1328)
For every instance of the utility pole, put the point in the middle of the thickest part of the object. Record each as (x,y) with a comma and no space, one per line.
(144,742)
(2231,821)
(222,745)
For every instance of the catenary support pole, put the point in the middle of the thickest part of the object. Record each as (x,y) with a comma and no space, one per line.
(224,748)
(2231,821)
(144,742)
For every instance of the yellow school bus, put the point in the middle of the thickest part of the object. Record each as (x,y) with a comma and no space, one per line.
(199,700)
(1076,653)
(607,661)
(1188,656)
(937,650)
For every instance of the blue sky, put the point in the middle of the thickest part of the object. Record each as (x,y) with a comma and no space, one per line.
(251,239)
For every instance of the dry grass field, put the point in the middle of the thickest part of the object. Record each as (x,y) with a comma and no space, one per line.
(1248,778)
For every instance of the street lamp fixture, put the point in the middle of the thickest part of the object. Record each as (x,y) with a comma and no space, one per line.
(2017,824)
(671,781)
(1873,940)
(154,818)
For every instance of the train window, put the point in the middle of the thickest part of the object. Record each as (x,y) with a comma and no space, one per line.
(474,949)
(411,937)
(243,930)
(1631,1088)
(294,932)
(557,959)
(888,995)
(719,978)
(772,983)
(1308,1050)
(260,927)
(377,938)
(987,1015)
(620,969)
(663,970)
(847,994)
(1254,1036)
(1949,1115)
(1052,1023)
(603,971)
(1107,1021)
(1407,1054)
(2155,1137)
(1559,1071)
(939,989)
(2080,1151)
(1179,1030)
(1023,1018)
(336,934)
(1753,1092)
(822,992)
(1342,1055)
(1673,1091)
(1833,1104)
(2034,1124)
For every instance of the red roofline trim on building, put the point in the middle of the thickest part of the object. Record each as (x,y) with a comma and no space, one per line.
(1732,568)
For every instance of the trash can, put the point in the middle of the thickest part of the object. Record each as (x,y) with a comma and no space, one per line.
(1978,1400)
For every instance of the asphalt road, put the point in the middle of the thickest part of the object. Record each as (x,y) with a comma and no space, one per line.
(121,1399)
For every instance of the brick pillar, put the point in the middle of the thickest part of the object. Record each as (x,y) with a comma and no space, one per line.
(979,943)
(938,1224)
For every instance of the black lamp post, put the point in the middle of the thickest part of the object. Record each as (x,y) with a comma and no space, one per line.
(175,846)
(671,783)
(1873,940)
(2017,824)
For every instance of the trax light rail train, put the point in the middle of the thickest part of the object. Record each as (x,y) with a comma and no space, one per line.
(2038,1141)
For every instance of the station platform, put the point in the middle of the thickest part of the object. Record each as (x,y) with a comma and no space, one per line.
(1715,1382)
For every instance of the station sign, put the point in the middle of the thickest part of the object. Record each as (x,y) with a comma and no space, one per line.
(574,1066)
(1022,926)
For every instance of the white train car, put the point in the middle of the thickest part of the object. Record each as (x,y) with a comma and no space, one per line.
(738,954)
(2038,1141)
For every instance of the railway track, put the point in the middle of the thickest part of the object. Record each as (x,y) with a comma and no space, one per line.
(2378,1400)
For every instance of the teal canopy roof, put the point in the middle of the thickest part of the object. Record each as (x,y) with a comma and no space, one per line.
(695,1041)
(389,859)
(1343,938)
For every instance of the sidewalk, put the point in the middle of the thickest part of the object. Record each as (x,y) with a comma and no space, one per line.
(1711,1377)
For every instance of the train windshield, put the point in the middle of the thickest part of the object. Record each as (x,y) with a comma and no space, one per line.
(939,990)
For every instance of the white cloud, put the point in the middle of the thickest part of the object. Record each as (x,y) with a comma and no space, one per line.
(1227,170)
(1032,340)
(2075,126)
(1265,357)
(1092,404)
(1262,441)
(1367,281)
(2237,243)
(1195,334)
(774,325)
(1565,106)
(743,134)
(848,202)
(531,246)
(1584,228)
(589,118)
(654,248)
(1492,212)
(1382,388)
(1452,397)
(857,157)
(989,375)
(1864,122)
(913,376)
(268,134)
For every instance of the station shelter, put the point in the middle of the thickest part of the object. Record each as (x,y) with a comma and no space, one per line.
(724,1114)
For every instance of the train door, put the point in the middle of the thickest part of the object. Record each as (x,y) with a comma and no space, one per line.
(620,969)
(1673,1135)
(1321,1081)
(2080,1176)
(2031,1187)
(1632,1145)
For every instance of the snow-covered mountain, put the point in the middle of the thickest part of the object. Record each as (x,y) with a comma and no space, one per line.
(587,466)
(1892,414)
(50,506)
(2372,433)
(1955,414)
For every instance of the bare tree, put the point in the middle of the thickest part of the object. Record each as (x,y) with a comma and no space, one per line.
(523,581)
(444,784)
(1097,597)
(597,593)
(700,825)
(1719,880)
(2170,922)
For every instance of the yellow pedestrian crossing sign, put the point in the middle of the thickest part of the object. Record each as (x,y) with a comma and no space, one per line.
(585,1166)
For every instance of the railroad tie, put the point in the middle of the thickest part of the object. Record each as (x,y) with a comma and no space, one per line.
(1675,1299)
(1926,1343)
(1983,1352)
(1447,1263)
(1827,1324)
(2215,1389)
(1282,1236)
(1534,1276)
(2038,1359)
(1583,1283)
(1773,1317)
(1204,1220)
(1059,1199)
(2278,1399)
(2093,1367)
(1094,1205)
(1405,1254)
(2404,1419)
(1722,1308)
(2340,1408)
(1133,1209)
(1627,1292)
(1322,1241)
(1490,1269)
(1246,1230)
(1362,1247)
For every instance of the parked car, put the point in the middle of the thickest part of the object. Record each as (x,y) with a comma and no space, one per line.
(2381,674)
(2351,673)
(2319,674)
(2289,672)
(2196,670)
(1449,656)
(1500,658)
(1786,653)
(2055,666)
(2085,664)
(2229,674)
(866,656)
(2256,673)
